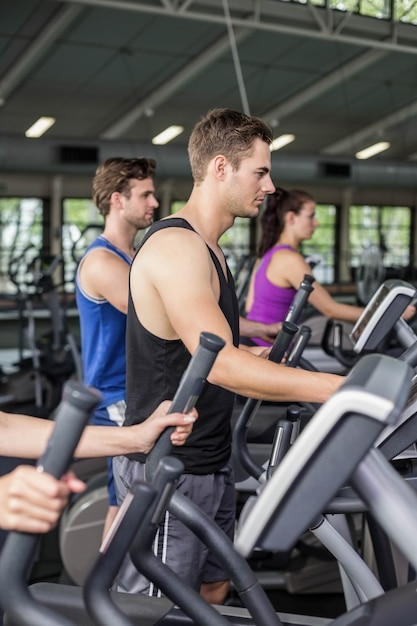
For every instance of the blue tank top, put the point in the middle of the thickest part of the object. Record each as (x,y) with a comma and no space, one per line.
(270,302)
(103,330)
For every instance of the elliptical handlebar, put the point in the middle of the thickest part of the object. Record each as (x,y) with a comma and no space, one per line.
(331,343)
(344,358)
(277,353)
(138,506)
(251,406)
(282,341)
(300,299)
(187,394)
(300,343)
(410,355)
(70,420)
(71,417)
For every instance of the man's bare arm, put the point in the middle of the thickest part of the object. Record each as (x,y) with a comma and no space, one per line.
(187,291)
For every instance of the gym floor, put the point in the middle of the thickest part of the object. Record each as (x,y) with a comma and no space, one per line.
(322,604)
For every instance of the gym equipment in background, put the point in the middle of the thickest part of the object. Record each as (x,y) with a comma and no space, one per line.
(19,548)
(371,397)
(380,320)
(379,317)
(53,356)
(383,310)
(370,273)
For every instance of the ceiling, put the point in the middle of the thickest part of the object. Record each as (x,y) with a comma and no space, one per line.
(116,72)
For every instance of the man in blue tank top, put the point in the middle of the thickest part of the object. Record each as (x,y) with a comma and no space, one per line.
(124,193)
(180,286)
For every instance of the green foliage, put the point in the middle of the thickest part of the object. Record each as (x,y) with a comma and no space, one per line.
(403,10)
(387,227)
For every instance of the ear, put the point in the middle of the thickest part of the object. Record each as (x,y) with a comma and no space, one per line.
(115,199)
(219,166)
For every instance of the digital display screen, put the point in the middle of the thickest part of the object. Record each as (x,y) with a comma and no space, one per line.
(381,314)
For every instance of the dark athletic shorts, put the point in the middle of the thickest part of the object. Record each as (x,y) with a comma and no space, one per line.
(177,546)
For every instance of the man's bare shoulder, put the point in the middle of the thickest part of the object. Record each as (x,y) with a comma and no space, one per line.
(99,257)
(172,256)
(167,241)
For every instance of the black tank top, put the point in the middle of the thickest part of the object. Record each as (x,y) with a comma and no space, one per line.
(154,370)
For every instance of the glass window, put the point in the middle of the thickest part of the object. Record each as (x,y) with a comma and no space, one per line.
(81,225)
(363,230)
(320,250)
(21,240)
(388,228)
(405,11)
(177,205)
(395,236)
(344,5)
(371,8)
(399,10)
(235,242)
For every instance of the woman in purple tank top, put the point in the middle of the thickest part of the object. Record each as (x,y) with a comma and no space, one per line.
(289,218)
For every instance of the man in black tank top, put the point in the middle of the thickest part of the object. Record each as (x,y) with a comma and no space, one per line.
(180,286)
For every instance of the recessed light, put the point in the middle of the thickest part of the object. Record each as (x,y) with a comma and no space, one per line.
(371,151)
(167,135)
(40,127)
(281,141)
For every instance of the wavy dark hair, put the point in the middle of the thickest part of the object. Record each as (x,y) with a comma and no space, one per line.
(272,220)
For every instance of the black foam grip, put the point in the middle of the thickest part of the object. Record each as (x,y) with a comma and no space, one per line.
(251,406)
(70,420)
(300,299)
(282,341)
(299,346)
(16,558)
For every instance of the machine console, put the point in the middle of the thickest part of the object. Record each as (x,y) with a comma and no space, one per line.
(381,313)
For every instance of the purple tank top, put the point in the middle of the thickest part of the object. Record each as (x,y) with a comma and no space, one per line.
(270,303)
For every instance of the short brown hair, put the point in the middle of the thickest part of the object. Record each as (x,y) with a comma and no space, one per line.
(114,175)
(227,132)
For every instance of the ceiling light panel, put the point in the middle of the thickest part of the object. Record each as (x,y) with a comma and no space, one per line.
(40,127)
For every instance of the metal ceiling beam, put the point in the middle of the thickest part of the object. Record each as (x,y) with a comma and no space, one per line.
(50,32)
(356,140)
(289,18)
(236,59)
(256,11)
(253,21)
(162,93)
(342,73)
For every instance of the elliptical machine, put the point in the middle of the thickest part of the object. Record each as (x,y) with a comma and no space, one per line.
(362,403)
(37,379)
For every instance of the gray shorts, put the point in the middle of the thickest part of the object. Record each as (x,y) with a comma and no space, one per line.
(178,547)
